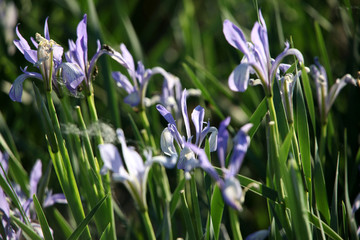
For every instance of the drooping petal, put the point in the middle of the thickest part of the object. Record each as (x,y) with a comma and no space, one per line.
(232,193)
(35,176)
(241,144)
(336,88)
(235,37)
(281,56)
(57,53)
(167,143)
(123,82)
(213,136)
(187,161)
(223,137)
(166,114)
(31,56)
(204,162)
(259,235)
(133,99)
(185,113)
(239,78)
(52,199)
(168,162)
(133,160)
(197,117)
(16,89)
(112,161)
(72,74)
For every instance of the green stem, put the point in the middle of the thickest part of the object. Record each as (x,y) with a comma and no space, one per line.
(235,225)
(99,140)
(195,207)
(271,107)
(322,146)
(147,223)
(146,125)
(70,187)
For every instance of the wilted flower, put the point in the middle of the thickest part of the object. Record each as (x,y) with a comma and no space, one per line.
(187,158)
(229,185)
(134,177)
(325,98)
(77,59)
(256,58)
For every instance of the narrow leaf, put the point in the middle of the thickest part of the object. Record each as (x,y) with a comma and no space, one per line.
(42,219)
(76,234)
(308,96)
(26,228)
(257,117)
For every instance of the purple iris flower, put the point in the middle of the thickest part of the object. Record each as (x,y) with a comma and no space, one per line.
(134,177)
(187,158)
(136,88)
(256,58)
(50,198)
(325,98)
(229,184)
(77,59)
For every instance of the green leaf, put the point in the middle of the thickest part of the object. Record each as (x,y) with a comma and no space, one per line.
(207,96)
(308,96)
(323,52)
(320,188)
(176,196)
(328,231)
(216,210)
(280,112)
(26,228)
(303,135)
(136,132)
(334,224)
(106,232)
(42,219)
(186,214)
(64,226)
(257,117)
(81,227)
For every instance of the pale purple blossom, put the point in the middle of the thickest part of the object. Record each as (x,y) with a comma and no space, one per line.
(139,76)
(133,174)
(186,157)
(229,184)
(257,59)
(325,97)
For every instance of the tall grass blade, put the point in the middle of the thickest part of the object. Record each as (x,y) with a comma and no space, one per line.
(42,219)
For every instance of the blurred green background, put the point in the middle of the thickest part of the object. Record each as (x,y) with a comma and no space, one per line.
(171,33)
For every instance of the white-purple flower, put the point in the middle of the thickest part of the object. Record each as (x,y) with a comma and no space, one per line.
(134,176)
(229,184)
(186,157)
(140,76)
(77,59)
(326,98)
(257,59)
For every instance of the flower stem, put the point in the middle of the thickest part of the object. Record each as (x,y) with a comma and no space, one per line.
(235,225)
(147,223)
(146,125)
(322,146)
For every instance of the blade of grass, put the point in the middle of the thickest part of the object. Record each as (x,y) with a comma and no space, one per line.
(176,196)
(328,231)
(81,227)
(186,214)
(42,219)
(334,224)
(257,117)
(64,226)
(303,135)
(204,92)
(323,52)
(308,96)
